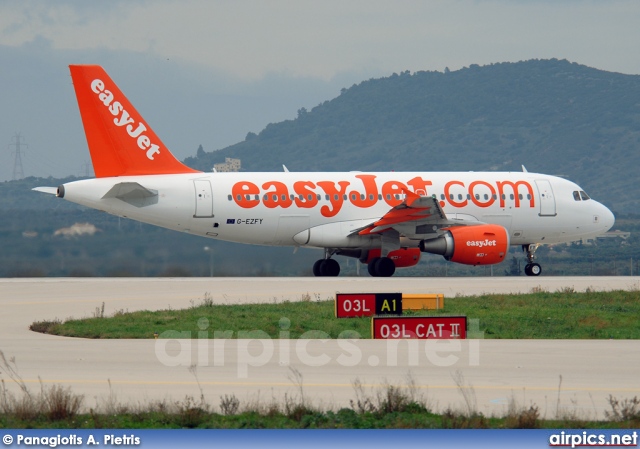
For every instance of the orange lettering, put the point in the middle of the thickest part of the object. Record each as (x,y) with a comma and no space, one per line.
(514,187)
(242,190)
(279,197)
(336,197)
(389,191)
(447,186)
(370,195)
(475,200)
(309,198)
(419,185)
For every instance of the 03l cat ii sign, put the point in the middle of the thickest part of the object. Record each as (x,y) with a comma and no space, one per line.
(419,327)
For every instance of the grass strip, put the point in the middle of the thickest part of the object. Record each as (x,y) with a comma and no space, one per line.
(540,315)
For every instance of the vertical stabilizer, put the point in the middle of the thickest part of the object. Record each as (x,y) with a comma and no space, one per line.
(121,143)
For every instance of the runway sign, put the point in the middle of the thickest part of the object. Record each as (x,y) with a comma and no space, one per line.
(419,327)
(350,305)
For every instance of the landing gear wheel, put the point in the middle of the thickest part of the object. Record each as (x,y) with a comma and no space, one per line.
(381,267)
(533,269)
(316,267)
(372,266)
(329,267)
(385,267)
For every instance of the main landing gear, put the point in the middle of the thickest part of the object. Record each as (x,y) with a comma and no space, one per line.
(531,268)
(381,267)
(326,266)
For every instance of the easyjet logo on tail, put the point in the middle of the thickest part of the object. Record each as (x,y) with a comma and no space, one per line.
(135,130)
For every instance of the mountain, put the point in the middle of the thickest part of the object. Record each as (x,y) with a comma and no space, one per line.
(552,116)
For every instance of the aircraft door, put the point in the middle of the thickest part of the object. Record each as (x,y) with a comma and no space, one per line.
(546,198)
(204,198)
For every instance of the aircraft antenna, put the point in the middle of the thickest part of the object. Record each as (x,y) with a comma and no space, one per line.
(17,142)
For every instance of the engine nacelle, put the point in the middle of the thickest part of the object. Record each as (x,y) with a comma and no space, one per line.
(470,245)
(404,257)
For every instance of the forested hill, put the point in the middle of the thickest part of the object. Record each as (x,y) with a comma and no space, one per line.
(553,116)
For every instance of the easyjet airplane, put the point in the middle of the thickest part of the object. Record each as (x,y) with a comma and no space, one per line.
(385,220)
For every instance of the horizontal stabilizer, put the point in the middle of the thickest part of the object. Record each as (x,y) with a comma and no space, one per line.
(49,190)
(127,191)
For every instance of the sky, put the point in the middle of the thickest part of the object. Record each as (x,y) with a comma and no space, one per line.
(207,72)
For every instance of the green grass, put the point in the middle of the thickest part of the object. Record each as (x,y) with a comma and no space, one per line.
(543,315)
(341,419)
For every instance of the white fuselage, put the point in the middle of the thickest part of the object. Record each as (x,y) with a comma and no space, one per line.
(323,209)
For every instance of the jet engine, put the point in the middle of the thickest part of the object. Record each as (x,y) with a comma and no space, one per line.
(470,245)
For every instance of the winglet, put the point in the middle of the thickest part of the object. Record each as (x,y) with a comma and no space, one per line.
(121,143)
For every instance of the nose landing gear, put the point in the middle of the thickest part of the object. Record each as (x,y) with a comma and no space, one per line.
(531,269)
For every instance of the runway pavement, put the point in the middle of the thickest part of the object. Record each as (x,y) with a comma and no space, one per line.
(560,376)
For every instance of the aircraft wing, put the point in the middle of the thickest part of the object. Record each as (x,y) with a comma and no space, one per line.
(416,217)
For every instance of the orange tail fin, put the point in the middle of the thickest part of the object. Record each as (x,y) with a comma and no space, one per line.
(121,143)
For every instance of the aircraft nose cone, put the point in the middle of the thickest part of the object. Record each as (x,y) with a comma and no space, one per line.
(607,218)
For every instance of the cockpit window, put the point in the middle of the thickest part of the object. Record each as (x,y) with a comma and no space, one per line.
(584,195)
(576,195)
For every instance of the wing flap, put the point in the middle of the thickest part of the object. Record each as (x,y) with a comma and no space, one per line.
(414,212)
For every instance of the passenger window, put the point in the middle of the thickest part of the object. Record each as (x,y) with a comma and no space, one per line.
(344,197)
(495,197)
(511,196)
(504,197)
(310,197)
(229,197)
(459,196)
(520,195)
(353,196)
(326,197)
(468,196)
(584,195)
(335,197)
(442,196)
(576,195)
(248,197)
(257,197)
(380,196)
(275,197)
(319,197)
(301,197)
(239,197)
(486,197)
(451,196)
(477,196)
(528,196)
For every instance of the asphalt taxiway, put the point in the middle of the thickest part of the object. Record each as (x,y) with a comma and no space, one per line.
(566,377)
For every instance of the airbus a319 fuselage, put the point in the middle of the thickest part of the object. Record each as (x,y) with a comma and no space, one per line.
(384,219)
